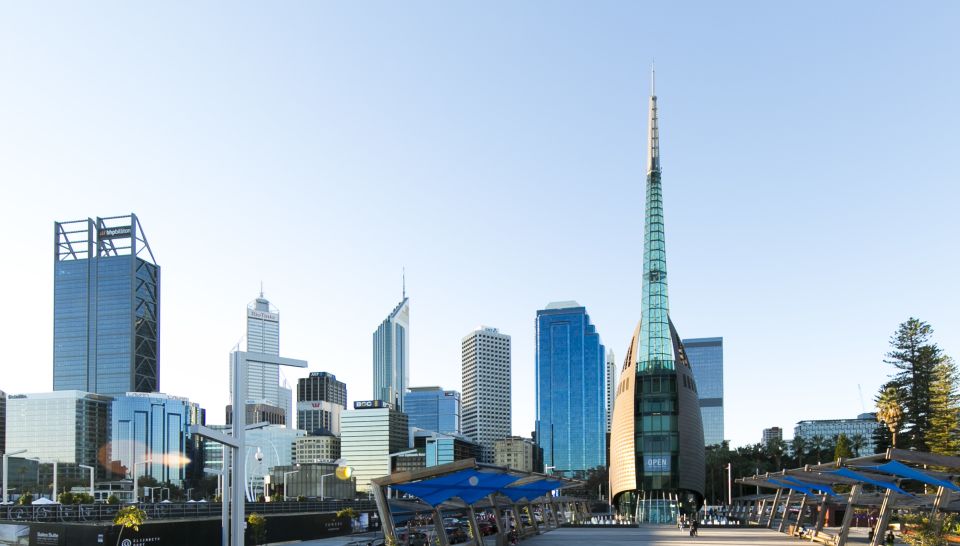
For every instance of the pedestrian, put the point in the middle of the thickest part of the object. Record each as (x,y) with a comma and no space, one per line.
(693,527)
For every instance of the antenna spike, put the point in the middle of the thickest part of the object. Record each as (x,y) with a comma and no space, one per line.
(404,283)
(653,78)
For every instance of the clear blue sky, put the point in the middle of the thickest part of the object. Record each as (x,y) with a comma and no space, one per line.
(496,151)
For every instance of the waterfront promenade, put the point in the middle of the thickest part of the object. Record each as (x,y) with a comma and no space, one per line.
(648,536)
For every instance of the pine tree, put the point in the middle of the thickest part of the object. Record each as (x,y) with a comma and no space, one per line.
(915,357)
(942,436)
(843,447)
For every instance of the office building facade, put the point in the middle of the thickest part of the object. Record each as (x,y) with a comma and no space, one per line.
(62,426)
(434,409)
(516,453)
(320,401)
(155,427)
(391,356)
(772,434)
(706,360)
(486,414)
(322,448)
(369,434)
(260,413)
(106,307)
(863,428)
(571,390)
(657,450)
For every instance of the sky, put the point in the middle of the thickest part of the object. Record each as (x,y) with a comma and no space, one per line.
(496,151)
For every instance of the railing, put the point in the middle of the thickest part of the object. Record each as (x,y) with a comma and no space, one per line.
(163,510)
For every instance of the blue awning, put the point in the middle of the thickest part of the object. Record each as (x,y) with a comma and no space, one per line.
(531,490)
(793,486)
(847,473)
(899,469)
(469,485)
(823,488)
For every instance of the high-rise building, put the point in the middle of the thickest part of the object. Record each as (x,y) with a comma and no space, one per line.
(263,378)
(391,356)
(706,360)
(369,434)
(439,448)
(657,451)
(320,448)
(860,431)
(320,401)
(611,386)
(772,434)
(570,390)
(152,431)
(434,409)
(61,426)
(260,413)
(106,307)
(516,453)
(486,413)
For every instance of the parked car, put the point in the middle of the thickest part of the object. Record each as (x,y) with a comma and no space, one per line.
(487,528)
(456,534)
(416,538)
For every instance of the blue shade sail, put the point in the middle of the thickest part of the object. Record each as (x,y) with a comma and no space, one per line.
(897,468)
(847,473)
(823,488)
(468,485)
(793,486)
(531,490)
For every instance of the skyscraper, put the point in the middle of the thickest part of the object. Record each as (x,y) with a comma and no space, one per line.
(611,383)
(263,378)
(657,447)
(391,356)
(320,401)
(106,307)
(706,360)
(370,433)
(570,390)
(486,388)
(434,409)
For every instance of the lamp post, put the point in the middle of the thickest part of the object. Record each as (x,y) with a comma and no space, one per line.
(136,493)
(285,474)
(341,463)
(6,456)
(90,468)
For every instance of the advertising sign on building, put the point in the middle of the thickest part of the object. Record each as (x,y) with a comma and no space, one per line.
(370,404)
(656,463)
(114,232)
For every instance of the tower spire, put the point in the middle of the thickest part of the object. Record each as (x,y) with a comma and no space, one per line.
(404,274)
(653,154)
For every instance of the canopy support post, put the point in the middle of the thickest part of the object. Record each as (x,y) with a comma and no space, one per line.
(786,513)
(886,510)
(386,518)
(773,509)
(438,525)
(821,517)
(501,534)
(533,519)
(848,515)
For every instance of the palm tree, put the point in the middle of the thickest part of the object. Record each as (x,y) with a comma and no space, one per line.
(890,411)
(817,443)
(798,444)
(857,441)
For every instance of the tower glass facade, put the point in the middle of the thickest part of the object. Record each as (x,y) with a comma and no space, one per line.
(434,409)
(391,356)
(106,307)
(570,389)
(706,359)
(486,388)
(657,449)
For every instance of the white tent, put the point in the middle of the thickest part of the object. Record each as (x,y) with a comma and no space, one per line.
(44,500)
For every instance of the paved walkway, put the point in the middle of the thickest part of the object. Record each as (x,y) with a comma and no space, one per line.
(651,535)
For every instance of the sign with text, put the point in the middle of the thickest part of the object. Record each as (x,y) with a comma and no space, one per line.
(262,315)
(369,404)
(114,232)
(656,463)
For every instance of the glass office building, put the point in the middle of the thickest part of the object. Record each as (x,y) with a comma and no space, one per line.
(432,408)
(570,390)
(391,356)
(155,427)
(656,442)
(61,426)
(864,427)
(706,359)
(369,434)
(320,401)
(106,307)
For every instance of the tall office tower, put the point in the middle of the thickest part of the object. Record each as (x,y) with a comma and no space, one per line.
(61,426)
(434,409)
(570,390)
(263,379)
(320,401)
(772,434)
(3,422)
(657,451)
(369,434)
(486,415)
(516,453)
(391,356)
(706,359)
(611,384)
(106,307)
(151,431)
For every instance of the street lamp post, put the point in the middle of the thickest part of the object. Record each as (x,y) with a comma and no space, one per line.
(321,483)
(90,468)
(136,494)
(6,456)
(285,474)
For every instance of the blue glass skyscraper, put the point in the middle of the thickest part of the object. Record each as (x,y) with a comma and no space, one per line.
(434,409)
(706,359)
(571,389)
(106,307)
(391,356)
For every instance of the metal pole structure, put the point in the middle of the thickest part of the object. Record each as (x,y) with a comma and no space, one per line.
(786,512)
(136,494)
(886,509)
(225,497)
(729,484)
(848,515)
(90,468)
(438,527)
(6,456)
(285,474)
(53,496)
(498,521)
(321,484)
(238,501)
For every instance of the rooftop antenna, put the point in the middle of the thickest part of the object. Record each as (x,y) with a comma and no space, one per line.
(404,283)
(261,289)
(653,79)
(863,408)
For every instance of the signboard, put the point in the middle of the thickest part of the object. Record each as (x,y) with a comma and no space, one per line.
(656,463)
(114,232)
(263,315)
(370,404)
